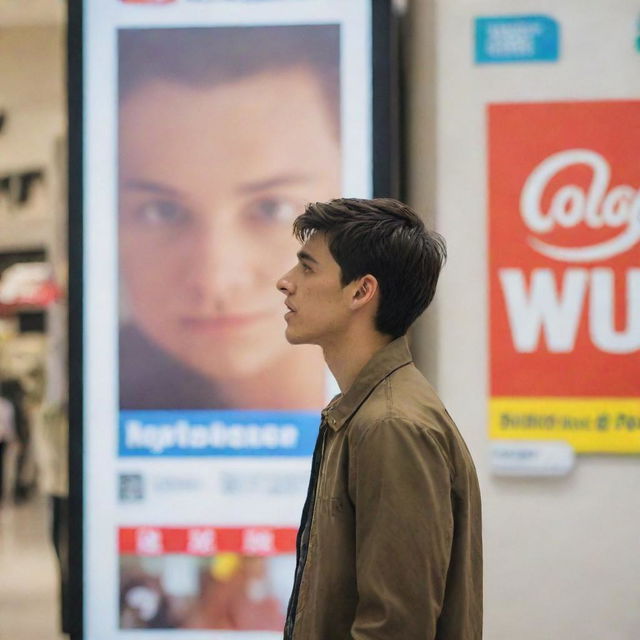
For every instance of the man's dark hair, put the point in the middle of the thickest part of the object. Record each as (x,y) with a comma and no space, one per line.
(210,56)
(386,239)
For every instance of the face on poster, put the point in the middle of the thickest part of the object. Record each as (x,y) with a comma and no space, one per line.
(225,133)
(565,283)
(220,122)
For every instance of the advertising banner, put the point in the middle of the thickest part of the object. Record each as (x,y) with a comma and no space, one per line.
(207,128)
(564,269)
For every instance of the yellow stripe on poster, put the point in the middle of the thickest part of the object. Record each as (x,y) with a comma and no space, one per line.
(590,425)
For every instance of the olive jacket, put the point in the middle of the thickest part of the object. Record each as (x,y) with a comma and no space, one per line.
(390,544)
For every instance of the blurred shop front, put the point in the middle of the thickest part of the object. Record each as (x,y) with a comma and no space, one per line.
(33,316)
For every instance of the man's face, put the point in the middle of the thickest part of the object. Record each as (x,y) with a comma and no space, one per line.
(210,181)
(318,306)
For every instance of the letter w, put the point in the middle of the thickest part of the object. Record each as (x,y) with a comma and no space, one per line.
(543,308)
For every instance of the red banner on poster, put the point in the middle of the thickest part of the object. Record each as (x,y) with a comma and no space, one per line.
(564,266)
(206,540)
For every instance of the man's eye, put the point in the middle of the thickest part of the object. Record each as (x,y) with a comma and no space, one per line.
(305,267)
(272,210)
(161,212)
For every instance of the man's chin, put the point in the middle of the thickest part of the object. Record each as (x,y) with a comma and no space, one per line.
(293,338)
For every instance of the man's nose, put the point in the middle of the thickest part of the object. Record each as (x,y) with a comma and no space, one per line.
(285,285)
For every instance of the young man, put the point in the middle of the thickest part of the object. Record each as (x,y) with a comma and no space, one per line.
(390,544)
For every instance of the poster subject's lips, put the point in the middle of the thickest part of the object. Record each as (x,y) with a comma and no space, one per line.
(221,322)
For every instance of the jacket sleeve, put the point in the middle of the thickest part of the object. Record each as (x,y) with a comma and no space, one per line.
(400,485)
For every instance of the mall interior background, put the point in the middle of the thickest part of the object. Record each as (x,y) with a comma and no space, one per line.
(561,553)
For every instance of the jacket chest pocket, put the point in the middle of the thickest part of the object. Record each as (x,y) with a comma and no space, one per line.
(333,500)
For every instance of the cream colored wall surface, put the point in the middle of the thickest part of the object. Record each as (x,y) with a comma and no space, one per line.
(15,13)
(562,560)
(33,99)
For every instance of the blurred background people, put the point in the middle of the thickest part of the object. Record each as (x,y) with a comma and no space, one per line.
(7,436)
(24,471)
(54,483)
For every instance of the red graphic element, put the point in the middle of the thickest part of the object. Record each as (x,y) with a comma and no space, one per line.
(46,294)
(564,249)
(27,284)
(206,540)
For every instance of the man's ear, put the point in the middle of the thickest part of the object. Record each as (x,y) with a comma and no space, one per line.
(365,291)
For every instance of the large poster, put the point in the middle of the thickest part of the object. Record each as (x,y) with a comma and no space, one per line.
(564,229)
(208,127)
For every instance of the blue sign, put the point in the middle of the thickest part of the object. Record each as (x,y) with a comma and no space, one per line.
(524,38)
(217,433)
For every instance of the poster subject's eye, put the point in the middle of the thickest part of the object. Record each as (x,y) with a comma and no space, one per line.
(272,210)
(162,212)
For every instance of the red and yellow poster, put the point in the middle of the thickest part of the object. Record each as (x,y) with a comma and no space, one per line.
(564,269)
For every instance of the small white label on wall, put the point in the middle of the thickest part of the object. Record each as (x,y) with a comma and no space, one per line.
(518,458)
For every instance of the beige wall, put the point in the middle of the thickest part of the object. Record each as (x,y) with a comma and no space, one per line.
(32,93)
(561,555)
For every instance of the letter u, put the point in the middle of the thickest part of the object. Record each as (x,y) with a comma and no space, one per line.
(602,312)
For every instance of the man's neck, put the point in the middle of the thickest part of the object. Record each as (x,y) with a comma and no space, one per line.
(347,356)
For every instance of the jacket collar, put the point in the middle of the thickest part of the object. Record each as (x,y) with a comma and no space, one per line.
(383,363)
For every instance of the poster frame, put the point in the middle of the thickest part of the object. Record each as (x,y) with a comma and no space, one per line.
(385,110)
